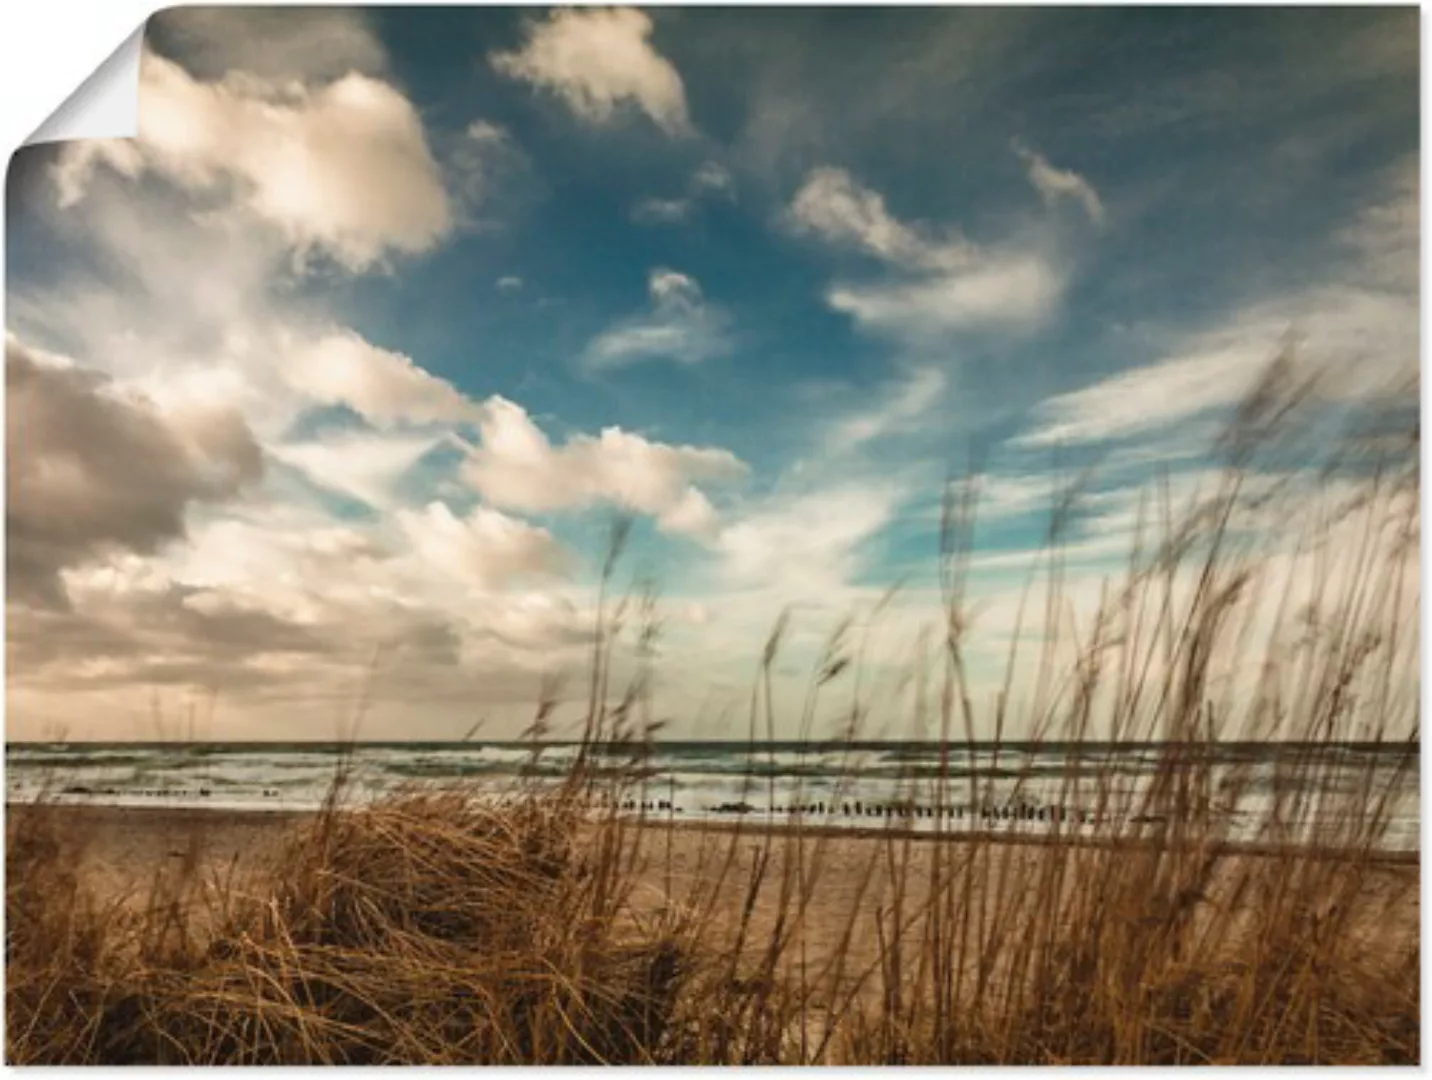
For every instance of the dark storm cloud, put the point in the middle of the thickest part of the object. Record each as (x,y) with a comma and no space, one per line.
(90,472)
(273,43)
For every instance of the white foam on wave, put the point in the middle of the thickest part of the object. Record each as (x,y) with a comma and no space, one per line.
(697,781)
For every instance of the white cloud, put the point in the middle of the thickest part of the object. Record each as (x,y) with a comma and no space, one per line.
(198,568)
(296,567)
(691,515)
(1149,398)
(804,546)
(485,167)
(509,283)
(516,467)
(344,168)
(1359,343)
(710,180)
(655,211)
(419,565)
(281,612)
(1010,291)
(203,313)
(598,59)
(383,386)
(485,131)
(1054,184)
(681,326)
(487,548)
(943,283)
(834,206)
(1386,236)
(1358,330)
(363,465)
(916,394)
(712,176)
(78,160)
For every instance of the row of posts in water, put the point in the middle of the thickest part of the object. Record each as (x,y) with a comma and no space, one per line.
(152,793)
(906,810)
(848,809)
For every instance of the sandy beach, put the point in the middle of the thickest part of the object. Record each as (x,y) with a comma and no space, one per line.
(836,918)
(120,852)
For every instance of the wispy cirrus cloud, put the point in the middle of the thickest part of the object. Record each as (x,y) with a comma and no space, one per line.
(833,206)
(711,180)
(914,395)
(1054,184)
(803,545)
(940,283)
(682,326)
(1357,328)
(1012,291)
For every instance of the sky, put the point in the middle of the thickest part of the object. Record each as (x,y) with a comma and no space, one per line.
(324,394)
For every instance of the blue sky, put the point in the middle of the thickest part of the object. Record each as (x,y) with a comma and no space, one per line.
(401,305)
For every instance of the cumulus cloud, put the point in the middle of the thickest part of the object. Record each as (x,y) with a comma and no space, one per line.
(486,548)
(90,470)
(1054,184)
(682,326)
(131,627)
(942,283)
(79,158)
(194,313)
(385,387)
(126,577)
(598,59)
(516,467)
(281,610)
(203,308)
(343,168)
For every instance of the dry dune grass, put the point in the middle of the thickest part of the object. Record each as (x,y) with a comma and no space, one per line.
(440,927)
(431,929)
(437,928)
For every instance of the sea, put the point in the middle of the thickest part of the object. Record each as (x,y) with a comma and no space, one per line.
(922,786)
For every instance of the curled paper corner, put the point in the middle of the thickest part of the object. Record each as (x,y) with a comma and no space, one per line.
(106,104)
